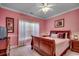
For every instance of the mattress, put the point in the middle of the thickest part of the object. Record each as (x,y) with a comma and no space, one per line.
(60,44)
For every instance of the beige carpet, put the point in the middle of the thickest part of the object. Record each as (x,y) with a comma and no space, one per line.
(26,51)
(23,51)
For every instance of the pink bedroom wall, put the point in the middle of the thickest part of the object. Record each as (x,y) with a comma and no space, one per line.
(7,13)
(71,22)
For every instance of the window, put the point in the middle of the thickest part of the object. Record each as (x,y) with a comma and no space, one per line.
(26,29)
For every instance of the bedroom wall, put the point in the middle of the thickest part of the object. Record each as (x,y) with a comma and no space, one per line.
(7,13)
(71,22)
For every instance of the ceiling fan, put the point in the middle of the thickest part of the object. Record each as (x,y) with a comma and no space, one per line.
(45,7)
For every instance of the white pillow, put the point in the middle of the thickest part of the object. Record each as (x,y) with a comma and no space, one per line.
(54,35)
(66,35)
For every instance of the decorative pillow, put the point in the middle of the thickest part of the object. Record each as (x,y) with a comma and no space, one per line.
(61,35)
(53,35)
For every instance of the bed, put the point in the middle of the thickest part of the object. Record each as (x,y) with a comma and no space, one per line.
(51,46)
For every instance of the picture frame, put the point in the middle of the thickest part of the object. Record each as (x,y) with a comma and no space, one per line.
(59,23)
(10,24)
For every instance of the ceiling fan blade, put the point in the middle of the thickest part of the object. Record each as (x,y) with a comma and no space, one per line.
(51,9)
(38,11)
(40,6)
(50,6)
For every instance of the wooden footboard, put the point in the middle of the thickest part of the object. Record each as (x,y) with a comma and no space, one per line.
(43,46)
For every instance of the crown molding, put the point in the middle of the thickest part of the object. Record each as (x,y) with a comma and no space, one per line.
(19,11)
(63,12)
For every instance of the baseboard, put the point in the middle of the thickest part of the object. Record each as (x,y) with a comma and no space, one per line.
(13,46)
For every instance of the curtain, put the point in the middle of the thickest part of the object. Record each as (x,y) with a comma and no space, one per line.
(26,29)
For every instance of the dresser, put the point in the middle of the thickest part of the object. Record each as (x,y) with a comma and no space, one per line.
(74,45)
(3,47)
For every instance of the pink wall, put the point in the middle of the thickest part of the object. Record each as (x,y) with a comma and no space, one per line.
(71,22)
(7,13)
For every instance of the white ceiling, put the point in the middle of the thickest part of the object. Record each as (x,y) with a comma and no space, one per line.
(33,8)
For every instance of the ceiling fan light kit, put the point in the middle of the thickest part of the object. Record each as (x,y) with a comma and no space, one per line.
(46,7)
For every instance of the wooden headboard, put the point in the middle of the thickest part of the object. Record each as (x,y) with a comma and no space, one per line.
(63,31)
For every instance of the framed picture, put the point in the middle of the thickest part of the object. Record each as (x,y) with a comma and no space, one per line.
(59,23)
(10,24)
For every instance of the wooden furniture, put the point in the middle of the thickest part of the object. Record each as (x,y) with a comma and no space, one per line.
(74,45)
(45,36)
(3,47)
(44,46)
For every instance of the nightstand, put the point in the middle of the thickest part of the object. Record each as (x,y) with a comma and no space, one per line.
(74,45)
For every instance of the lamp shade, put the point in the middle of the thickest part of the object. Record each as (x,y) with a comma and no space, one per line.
(75,35)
